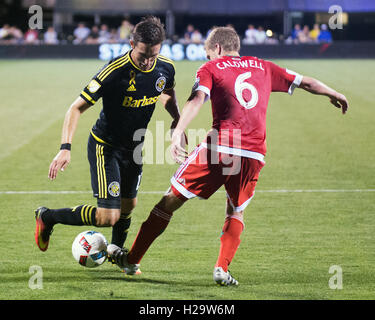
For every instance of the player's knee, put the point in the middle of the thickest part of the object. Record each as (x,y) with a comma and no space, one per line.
(128,205)
(170,202)
(234,214)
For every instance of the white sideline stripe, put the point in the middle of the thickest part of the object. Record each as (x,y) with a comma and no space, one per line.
(163,192)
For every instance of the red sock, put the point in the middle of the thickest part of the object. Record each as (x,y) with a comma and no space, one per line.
(230,240)
(153,227)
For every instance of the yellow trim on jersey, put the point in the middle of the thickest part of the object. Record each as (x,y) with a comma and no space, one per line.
(165,59)
(101,173)
(98,139)
(110,66)
(88,97)
(118,65)
(102,179)
(145,71)
(98,167)
(104,175)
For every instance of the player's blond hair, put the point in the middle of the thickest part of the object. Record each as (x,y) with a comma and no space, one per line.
(226,37)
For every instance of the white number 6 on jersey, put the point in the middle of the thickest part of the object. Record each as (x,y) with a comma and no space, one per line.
(242,85)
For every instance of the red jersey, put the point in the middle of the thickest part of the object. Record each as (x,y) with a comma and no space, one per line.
(239,88)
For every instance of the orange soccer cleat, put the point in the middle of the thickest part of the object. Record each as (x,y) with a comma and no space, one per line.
(42,230)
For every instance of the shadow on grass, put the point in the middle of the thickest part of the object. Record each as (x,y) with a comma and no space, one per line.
(159,278)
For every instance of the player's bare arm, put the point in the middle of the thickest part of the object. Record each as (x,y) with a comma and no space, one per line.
(168,99)
(62,159)
(190,111)
(315,86)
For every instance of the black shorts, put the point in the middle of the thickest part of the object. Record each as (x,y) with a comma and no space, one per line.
(114,174)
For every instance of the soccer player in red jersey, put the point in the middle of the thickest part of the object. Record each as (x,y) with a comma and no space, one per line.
(233,152)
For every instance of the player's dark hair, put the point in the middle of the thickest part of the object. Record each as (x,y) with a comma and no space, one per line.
(226,37)
(150,31)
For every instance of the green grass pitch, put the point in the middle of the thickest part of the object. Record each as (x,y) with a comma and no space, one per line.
(291,238)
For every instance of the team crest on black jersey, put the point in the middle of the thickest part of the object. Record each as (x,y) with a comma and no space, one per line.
(114,189)
(160,84)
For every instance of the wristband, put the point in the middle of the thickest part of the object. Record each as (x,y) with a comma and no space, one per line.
(66,146)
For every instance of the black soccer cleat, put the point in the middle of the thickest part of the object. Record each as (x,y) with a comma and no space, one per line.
(118,256)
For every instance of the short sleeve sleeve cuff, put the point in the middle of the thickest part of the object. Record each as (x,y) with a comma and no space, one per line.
(296,82)
(204,89)
(85,96)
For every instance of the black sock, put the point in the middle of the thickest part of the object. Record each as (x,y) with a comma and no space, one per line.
(77,216)
(121,229)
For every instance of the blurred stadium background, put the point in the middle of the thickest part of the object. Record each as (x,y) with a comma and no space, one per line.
(268,28)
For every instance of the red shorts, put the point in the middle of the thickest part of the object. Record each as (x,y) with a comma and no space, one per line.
(205,171)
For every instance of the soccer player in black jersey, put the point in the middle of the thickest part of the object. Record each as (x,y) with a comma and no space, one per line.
(130,86)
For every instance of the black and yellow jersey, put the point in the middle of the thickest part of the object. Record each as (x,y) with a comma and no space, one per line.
(129,96)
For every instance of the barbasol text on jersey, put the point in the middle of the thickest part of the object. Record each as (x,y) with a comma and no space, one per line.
(136,103)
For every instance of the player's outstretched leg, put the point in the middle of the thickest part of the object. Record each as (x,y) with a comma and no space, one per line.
(46,219)
(152,228)
(77,216)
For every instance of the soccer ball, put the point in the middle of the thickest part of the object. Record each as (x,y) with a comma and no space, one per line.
(90,249)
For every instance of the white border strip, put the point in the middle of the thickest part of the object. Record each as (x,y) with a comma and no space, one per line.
(204,89)
(297,81)
(186,193)
(242,207)
(234,151)
(219,191)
